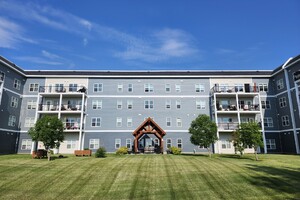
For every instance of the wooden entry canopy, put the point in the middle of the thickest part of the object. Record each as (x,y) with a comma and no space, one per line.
(148,127)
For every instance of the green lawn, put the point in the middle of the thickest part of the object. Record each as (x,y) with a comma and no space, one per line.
(150,177)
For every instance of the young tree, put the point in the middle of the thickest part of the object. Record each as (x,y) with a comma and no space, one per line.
(251,136)
(237,142)
(49,130)
(204,132)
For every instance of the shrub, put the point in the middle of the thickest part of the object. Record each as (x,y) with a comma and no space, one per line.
(86,149)
(100,153)
(175,150)
(122,151)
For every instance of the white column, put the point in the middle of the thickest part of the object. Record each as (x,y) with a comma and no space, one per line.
(81,121)
(217,148)
(262,125)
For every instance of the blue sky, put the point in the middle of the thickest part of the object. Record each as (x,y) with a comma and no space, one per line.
(149,35)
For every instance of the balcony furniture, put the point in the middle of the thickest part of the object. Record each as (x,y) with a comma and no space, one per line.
(246,107)
(82,90)
(63,107)
(83,152)
(232,107)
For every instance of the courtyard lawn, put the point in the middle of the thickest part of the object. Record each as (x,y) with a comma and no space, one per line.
(151,177)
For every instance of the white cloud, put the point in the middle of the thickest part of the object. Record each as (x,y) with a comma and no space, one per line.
(38,60)
(50,55)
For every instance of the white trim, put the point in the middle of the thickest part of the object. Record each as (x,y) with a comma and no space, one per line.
(5,89)
(9,130)
(125,131)
(18,71)
(148,96)
(30,96)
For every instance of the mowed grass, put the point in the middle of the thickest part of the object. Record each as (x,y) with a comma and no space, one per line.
(151,177)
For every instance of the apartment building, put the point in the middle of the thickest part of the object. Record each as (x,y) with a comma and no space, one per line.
(149,110)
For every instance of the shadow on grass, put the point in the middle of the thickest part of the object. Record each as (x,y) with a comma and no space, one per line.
(201,155)
(281,180)
(244,157)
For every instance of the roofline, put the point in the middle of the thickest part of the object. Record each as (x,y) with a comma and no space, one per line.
(12,66)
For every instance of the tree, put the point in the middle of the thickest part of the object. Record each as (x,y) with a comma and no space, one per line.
(237,142)
(49,130)
(204,132)
(251,136)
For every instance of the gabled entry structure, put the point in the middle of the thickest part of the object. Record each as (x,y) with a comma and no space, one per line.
(148,127)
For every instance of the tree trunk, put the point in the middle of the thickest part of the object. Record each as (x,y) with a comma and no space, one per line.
(49,154)
(255,151)
(208,149)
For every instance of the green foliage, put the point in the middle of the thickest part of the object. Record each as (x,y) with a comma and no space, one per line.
(122,151)
(175,150)
(237,142)
(86,149)
(204,132)
(100,153)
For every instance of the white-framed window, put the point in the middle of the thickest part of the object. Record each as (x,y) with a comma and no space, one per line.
(179,122)
(177,88)
(148,104)
(263,87)
(280,84)
(169,143)
(130,87)
(33,87)
(73,87)
(59,87)
(239,87)
(14,102)
(179,143)
(282,102)
(178,104)
(168,104)
(223,87)
(96,121)
(17,84)
(97,104)
(129,121)
(148,87)
(120,88)
(199,88)
(265,105)
(71,144)
(200,104)
(12,120)
(119,104)
(168,121)
(268,122)
(26,144)
(31,105)
(117,143)
(119,122)
(285,120)
(168,87)
(94,144)
(226,144)
(29,122)
(128,143)
(271,143)
(129,104)
(98,87)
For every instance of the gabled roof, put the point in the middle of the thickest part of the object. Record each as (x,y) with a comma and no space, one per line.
(150,126)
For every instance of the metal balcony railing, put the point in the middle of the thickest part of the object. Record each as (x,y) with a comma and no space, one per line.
(71,125)
(241,107)
(70,107)
(62,89)
(228,126)
(234,89)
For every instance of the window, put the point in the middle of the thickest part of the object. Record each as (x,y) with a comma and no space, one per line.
(223,87)
(148,104)
(128,143)
(129,122)
(26,144)
(117,143)
(179,122)
(130,87)
(73,87)
(119,104)
(71,144)
(94,144)
(14,102)
(200,105)
(265,105)
(72,123)
(59,87)
(285,120)
(168,121)
(98,87)
(167,87)
(96,121)
(239,87)
(119,121)
(97,104)
(31,104)
(34,87)
(2,75)
(120,87)
(282,102)
(226,144)
(129,104)
(263,87)
(179,143)
(17,84)
(178,104)
(199,88)
(29,122)
(178,88)
(12,120)
(169,143)
(168,104)
(148,87)
(270,143)
(280,84)
(268,122)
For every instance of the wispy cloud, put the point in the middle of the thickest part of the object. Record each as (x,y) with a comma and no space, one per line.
(50,55)
(37,60)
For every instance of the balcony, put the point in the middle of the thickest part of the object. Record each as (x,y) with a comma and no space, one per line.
(230,126)
(65,108)
(62,89)
(240,107)
(71,126)
(235,89)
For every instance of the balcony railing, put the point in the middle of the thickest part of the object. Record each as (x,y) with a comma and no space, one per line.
(234,89)
(228,126)
(247,107)
(71,125)
(49,107)
(62,89)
